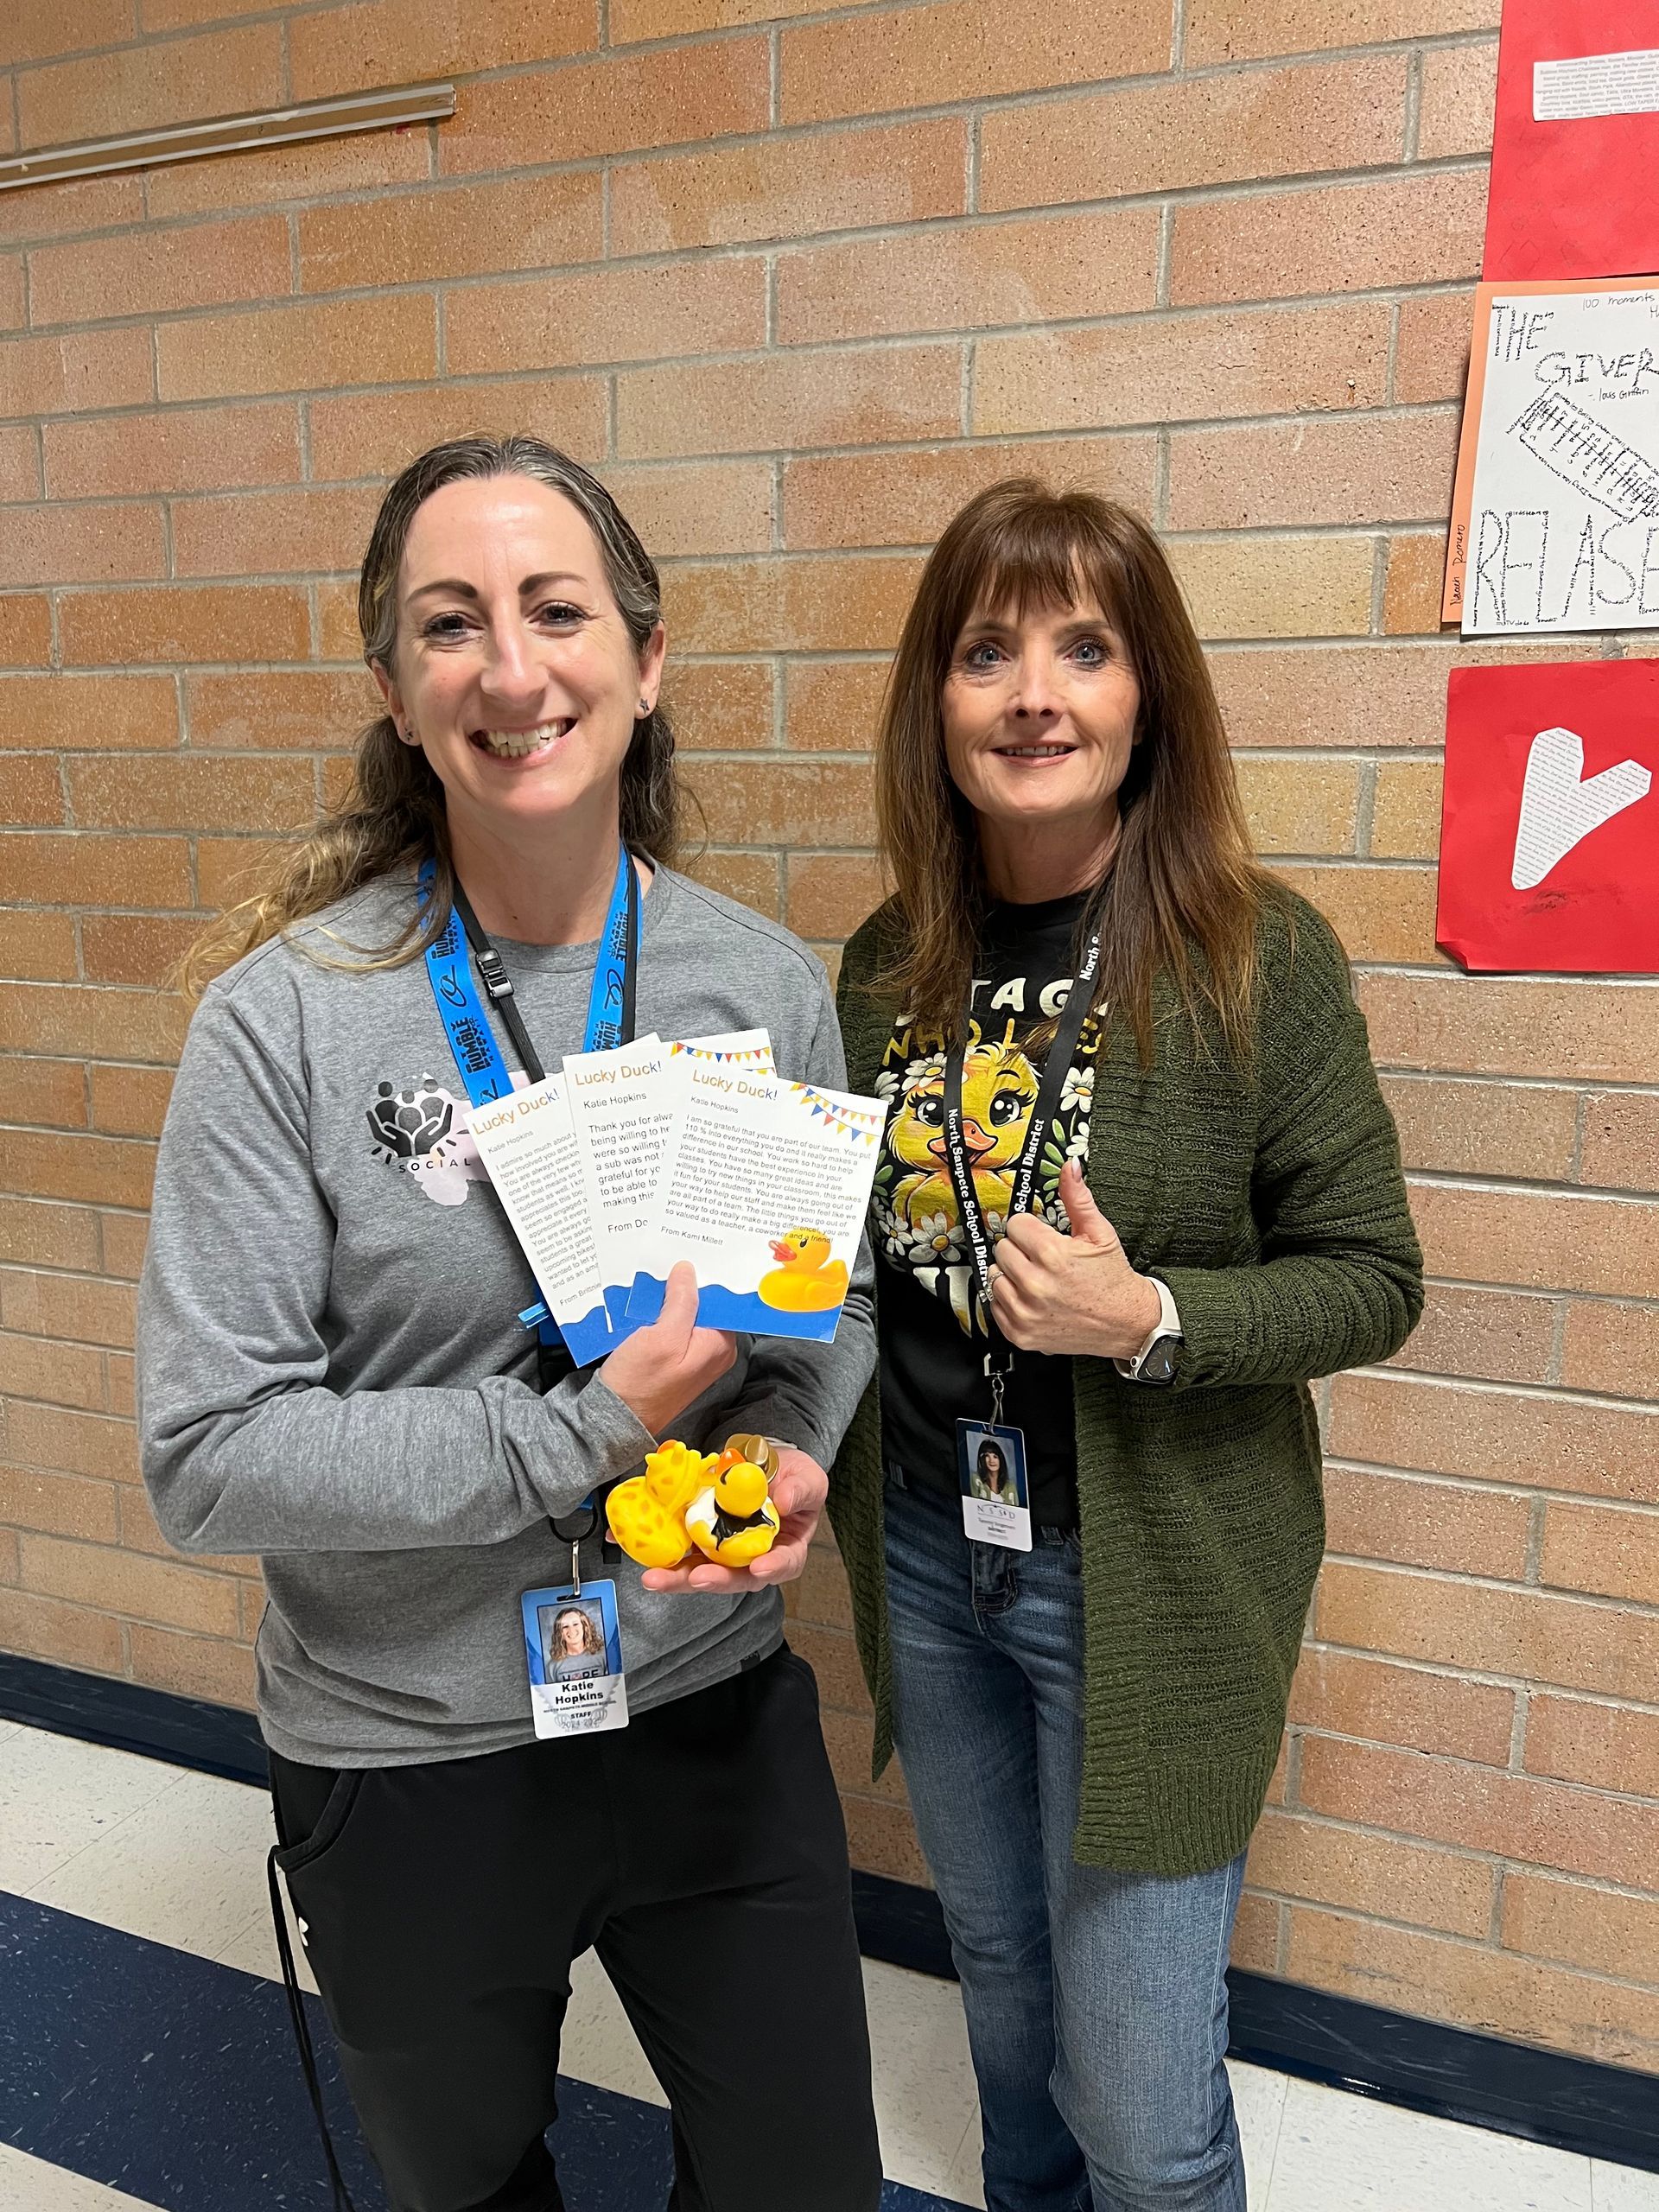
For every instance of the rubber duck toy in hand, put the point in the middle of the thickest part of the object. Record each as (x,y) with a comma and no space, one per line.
(658,1517)
(646,1514)
(734,1520)
(806,1280)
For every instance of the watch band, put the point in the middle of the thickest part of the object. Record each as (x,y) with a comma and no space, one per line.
(1168,1324)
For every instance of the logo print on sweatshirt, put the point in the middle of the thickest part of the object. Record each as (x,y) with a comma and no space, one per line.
(427,1131)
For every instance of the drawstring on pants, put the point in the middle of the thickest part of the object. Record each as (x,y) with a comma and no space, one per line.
(303,2034)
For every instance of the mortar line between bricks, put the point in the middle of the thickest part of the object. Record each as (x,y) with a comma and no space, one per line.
(1359,1916)
(1469,1578)
(1449,1671)
(1551,1392)
(1519,1186)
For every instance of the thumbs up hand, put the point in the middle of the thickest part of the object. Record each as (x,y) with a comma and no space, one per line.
(1075,1293)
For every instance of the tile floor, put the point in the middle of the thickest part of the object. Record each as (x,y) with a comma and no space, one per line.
(177,1858)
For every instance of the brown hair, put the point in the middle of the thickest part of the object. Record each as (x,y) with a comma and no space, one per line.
(1181,896)
(393,814)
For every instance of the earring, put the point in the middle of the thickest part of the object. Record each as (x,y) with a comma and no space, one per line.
(645,706)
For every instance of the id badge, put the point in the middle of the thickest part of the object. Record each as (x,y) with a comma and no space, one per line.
(995,1496)
(572,1649)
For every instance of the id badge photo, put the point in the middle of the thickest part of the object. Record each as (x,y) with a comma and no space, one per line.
(995,1496)
(572,1649)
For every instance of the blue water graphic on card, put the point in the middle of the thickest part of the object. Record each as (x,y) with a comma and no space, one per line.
(590,1339)
(743,1311)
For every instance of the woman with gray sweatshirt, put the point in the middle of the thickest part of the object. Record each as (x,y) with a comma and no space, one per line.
(334,1375)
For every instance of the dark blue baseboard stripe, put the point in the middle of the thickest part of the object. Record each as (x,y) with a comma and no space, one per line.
(1572,2104)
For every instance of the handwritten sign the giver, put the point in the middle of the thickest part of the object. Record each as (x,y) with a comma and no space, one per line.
(1555,517)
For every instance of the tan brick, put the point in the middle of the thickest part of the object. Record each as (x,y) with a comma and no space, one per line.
(25,630)
(342,49)
(36,949)
(1604,1746)
(49,1093)
(1377,696)
(1413,1523)
(1541,1241)
(830,894)
(78,1443)
(58,1505)
(906,496)
(167,624)
(273,533)
(703,508)
(1602,1550)
(1439,1978)
(159,271)
(780,802)
(880,1840)
(310,348)
(110,1170)
(89,713)
(750,878)
(105,543)
(230,868)
(374,433)
(1255,1934)
(1621,1141)
(365,163)
(1455,110)
(1300,806)
(1406,811)
(66,1308)
(1530,1636)
(59,1375)
(187,794)
(1040,269)
(1266,587)
(1162,368)
(147,88)
(151,1590)
(833,1658)
(1237,30)
(131,1101)
(699,306)
(1340,237)
(410,238)
(1168,137)
(83,369)
(832,706)
(50,211)
(821,1595)
(611,106)
(192,1666)
(721,706)
(1496,1435)
(1494,1335)
(79,870)
(1412,579)
(37,30)
(791,403)
(186,449)
(1433,359)
(133,948)
(44,1630)
(297,709)
(63,1019)
(184,14)
(1319,471)
(1380,914)
(1348,1694)
(14,310)
(121,1371)
(848,1737)
(963,50)
(20,465)
(123,1237)
(1470,1127)
(785,187)
(1581,1926)
(34,1233)
(1328,1864)
(339,636)
(1497,1026)
(634,20)
(827,604)
(1612,1348)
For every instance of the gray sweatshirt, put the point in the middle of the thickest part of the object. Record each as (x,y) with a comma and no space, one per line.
(332,1370)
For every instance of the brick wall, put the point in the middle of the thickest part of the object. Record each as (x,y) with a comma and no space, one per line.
(799,286)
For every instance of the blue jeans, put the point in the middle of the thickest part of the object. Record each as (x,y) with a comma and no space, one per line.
(1096,2001)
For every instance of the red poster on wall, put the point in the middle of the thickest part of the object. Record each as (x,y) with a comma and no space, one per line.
(1575,148)
(1549,834)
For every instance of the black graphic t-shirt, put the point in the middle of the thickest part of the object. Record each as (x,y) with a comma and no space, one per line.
(933,1339)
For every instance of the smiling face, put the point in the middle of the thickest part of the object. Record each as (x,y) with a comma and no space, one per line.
(514,669)
(1039,712)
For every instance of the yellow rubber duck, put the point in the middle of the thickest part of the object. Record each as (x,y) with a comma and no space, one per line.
(646,1514)
(806,1280)
(734,1521)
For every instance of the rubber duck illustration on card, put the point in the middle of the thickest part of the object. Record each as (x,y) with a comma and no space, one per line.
(806,1280)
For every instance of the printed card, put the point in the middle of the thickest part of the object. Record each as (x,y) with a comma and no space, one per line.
(528,1145)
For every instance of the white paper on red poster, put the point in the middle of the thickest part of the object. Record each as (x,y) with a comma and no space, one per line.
(1549,832)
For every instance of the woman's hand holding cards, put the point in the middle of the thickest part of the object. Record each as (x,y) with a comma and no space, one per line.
(798,1489)
(659,1371)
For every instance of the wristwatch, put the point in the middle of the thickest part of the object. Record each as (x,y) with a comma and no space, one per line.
(1155,1361)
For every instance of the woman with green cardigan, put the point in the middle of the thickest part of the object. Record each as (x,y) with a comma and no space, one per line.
(1138,1186)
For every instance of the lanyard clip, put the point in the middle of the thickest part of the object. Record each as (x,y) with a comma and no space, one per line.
(496,981)
(999,1363)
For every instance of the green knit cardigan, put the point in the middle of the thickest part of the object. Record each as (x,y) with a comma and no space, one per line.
(1270,1199)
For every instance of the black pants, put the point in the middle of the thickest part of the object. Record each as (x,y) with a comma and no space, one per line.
(700,1851)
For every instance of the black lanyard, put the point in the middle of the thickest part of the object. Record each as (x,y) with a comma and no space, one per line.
(1000,1357)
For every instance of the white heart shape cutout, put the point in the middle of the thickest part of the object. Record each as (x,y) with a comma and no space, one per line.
(1558,809)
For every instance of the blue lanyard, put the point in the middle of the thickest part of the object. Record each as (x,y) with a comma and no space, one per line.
(466,1025)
